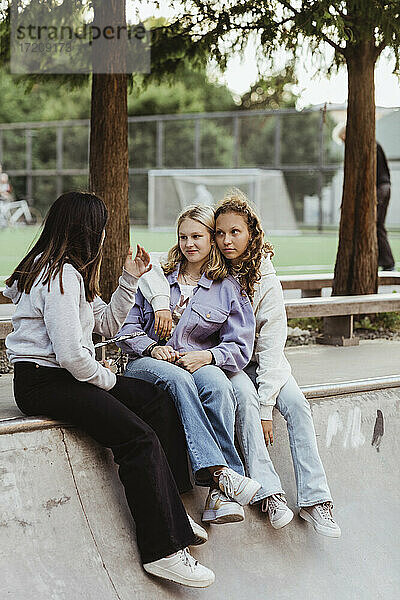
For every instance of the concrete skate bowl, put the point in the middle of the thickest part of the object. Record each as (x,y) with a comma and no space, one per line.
(66,533)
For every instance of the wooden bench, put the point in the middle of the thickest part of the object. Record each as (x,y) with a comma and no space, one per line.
(338,313)
(6,312)
(311,285)
(3,299)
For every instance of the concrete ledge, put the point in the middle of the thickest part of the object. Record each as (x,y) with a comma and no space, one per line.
(24,424)
(66,532)
(21,424)
(350,387)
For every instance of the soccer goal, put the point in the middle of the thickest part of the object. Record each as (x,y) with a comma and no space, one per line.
(172,190)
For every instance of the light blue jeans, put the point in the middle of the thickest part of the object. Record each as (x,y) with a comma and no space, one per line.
(206,404)
(312,486)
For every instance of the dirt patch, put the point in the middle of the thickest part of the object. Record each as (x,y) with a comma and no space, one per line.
(308,336)
(5,366)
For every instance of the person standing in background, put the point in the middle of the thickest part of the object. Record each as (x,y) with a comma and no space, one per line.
(385,255)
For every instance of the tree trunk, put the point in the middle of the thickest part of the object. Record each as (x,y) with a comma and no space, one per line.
(108,164)
(356,269)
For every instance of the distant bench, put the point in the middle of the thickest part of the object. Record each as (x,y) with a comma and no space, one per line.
(311,285)
(338,312)
(4,299)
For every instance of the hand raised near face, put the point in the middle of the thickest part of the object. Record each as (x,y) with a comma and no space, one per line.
(139,265)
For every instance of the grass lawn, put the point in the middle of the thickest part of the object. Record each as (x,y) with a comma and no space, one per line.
(305,253)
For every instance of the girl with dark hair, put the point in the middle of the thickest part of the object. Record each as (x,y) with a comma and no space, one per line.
(55,289)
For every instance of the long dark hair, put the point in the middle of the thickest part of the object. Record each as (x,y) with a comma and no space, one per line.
(248,270)
(72,233)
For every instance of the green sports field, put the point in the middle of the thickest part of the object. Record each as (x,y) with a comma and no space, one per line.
(307,253)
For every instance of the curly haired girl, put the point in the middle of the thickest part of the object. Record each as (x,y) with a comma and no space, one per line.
(239,236)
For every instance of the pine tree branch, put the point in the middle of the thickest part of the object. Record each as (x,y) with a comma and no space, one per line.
(317,31)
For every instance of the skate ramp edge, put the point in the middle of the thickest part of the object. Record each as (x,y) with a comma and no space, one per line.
(66,532)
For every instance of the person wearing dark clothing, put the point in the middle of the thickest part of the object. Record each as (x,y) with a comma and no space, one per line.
(385,256)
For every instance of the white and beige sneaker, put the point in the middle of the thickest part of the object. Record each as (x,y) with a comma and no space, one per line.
(181,568)
(219,509)
(320,517)
(279,513)
(237,487)
(199,531)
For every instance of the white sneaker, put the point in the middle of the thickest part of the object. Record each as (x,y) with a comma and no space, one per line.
(199,531)
(320,517)
(279,513)
(237,487)
(219,509)
(181,568)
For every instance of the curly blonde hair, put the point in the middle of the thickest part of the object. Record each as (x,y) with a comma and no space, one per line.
(215,267)
(248,270)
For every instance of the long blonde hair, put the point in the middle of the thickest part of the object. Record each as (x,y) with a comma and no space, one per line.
(248,270)
(215,267)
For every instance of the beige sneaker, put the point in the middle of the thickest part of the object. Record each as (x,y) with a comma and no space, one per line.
(320,517)
(279,513)
(219,509)
(237,487)
(181,568)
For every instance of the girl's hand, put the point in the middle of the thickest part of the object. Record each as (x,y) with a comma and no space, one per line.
(165,353)
(268,432)
(139,265)
(112,366)
(191,361)
(163,323)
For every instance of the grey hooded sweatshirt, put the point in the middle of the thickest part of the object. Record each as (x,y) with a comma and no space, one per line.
(54,329)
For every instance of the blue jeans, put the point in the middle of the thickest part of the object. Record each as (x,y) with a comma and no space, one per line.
(206,405)
(312,486)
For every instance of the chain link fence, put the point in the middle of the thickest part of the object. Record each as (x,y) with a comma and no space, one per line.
(46,158)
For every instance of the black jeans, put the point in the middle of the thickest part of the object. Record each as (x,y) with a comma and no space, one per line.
(139,422)
(385,256)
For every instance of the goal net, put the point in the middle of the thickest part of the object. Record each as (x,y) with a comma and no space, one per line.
(172,190)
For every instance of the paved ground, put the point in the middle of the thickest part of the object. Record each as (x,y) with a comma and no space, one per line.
(331,364)
(66,534)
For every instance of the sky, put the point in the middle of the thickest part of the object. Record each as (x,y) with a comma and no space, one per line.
(314,88)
